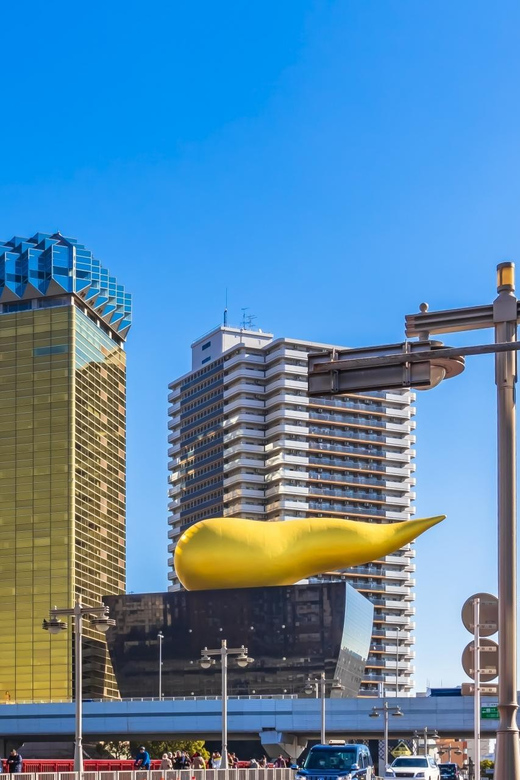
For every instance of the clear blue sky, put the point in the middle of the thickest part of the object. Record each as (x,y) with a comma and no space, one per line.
(332,164)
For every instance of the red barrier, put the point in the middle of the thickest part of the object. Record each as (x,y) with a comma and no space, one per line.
(89,765)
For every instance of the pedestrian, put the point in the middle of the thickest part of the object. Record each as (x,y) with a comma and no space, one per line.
(15,762)
(280,762)
(263,762)
(197,762)
(142,759)
(166,762)
(216,760)
(253,764)
(181,760)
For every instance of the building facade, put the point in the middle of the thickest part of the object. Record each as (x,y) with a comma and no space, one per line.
(290,632)
(246,441)
(63,321)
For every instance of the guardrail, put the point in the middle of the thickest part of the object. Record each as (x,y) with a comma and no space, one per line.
(268,773)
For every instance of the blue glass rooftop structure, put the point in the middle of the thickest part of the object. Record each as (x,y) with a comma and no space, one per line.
(49,265)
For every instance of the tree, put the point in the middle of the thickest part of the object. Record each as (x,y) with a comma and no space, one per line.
(116,749)
(157,748)
(485,765)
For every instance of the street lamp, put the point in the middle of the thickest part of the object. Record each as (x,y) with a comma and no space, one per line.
(160,637)
(100,620)
(385,710)
(206,662)
(318,686)
(425,732)
(448,749)
(421,365)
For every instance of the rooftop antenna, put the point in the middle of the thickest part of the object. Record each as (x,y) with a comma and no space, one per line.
(225,311)
(244,317)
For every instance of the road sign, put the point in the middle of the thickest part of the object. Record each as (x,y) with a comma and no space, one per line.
(468,689)
(488,660)
(401,749)
(491,713)
(488,614)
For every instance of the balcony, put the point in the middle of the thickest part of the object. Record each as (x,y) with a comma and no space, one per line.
(286,383)
(243,372)
(242,447)
(241,478)
(243,403)
(243,418)
(345,509)
(282,413)
(256,387)
(242,509)
(243,463)
(340,433)
(243,432)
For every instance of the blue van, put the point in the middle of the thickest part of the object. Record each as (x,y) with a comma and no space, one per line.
(337,761)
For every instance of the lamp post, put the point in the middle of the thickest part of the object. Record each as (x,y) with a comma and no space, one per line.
(206,661)
(318,686)
(425,732)
(160,637)
(385,710)
(98,619)
(423,364)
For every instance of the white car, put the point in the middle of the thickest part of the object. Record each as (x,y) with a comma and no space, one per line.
(419,767)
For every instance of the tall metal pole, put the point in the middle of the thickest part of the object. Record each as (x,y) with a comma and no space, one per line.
(425,737)
(396,662)
(78,692)
(476,663)
(160,637)
(321,683)
(224,658)
(385,721)
(507,763)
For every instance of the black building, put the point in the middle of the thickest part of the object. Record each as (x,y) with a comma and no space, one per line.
(290,631)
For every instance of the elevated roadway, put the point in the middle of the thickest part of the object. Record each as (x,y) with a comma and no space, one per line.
(281,720)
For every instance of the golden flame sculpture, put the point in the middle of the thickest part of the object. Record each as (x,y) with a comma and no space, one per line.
(229,552)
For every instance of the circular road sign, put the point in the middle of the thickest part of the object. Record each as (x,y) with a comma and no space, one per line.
(488,660)
(488,614)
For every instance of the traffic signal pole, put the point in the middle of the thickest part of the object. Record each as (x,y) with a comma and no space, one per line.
(507,763)
(423,364)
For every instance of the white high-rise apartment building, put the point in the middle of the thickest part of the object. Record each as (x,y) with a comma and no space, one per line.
(247,441)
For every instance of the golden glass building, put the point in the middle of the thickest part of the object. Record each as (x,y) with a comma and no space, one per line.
(63,322)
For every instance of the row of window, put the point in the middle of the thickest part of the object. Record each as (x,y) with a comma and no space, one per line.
(202,499)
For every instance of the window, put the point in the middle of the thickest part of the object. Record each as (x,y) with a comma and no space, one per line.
(206,360)
(55,349)
(206,345)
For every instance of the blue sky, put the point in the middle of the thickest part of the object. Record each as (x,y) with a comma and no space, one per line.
(332,164)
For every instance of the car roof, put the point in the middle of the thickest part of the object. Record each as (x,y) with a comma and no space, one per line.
(337,747)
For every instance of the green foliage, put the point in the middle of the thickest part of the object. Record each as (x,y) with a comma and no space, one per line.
(157,748)
(486,763)
(119,750)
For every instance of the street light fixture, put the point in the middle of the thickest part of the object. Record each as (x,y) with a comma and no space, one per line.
(100,620)
(206,662)
(386,711)
(420,365)
(318,686)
